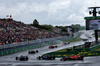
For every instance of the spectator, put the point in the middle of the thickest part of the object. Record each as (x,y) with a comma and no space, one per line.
(12,31)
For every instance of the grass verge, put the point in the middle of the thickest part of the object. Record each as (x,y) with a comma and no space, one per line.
(94,51)
(73,39)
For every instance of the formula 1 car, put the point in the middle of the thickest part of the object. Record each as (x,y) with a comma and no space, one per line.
(46,57)
(74,57)
(22,58)
(32,51)
(65,43)
(50,47)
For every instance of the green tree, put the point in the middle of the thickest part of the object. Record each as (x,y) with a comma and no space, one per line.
(63,29)
(75,26)
(46,27)
(35,23)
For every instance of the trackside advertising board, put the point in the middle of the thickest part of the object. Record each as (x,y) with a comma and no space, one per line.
(92,23)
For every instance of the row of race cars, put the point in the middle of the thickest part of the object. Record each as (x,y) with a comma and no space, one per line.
(25,58)
(50,57)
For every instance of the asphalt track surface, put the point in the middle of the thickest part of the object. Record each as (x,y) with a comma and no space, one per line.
(9,60)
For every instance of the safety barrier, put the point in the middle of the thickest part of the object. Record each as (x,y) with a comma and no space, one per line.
(10,50)
(21,46)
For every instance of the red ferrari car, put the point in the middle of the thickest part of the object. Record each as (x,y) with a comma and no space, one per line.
(52,47)
(74,57)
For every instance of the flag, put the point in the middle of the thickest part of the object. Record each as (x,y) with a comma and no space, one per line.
(10,16)
(7,16)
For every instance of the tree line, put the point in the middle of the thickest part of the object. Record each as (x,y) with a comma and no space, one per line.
(49,27)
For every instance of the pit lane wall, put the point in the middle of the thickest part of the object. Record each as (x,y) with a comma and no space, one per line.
(22,46)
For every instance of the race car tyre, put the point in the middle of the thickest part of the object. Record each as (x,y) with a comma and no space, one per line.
(68,58)
(81,57)
(26,58)
(53,58)
(29,52)
(39,58)
(60,59)
(56,46)
(37,51)
(16,58)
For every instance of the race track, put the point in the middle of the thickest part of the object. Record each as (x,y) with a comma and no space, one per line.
(9,60)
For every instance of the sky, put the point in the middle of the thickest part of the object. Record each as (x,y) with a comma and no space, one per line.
(50,12)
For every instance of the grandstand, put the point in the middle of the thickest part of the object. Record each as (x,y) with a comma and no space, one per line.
(12,31)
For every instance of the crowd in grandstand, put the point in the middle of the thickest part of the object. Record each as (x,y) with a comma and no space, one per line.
(13,31)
